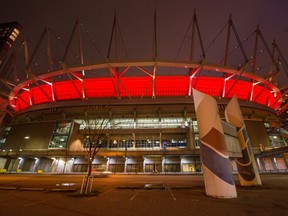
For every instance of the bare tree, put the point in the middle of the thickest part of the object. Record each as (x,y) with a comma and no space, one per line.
(95,135)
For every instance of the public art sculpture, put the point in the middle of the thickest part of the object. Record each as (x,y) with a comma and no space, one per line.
(216,167)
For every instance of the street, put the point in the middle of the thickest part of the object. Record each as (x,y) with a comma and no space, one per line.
(126,195)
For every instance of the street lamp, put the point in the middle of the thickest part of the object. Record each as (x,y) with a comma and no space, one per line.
(22,143)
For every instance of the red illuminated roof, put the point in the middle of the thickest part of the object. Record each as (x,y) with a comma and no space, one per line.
(252,88)
(72,76)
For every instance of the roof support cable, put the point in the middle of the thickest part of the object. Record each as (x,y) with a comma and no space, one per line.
(155,54)
(236,80)
(70,41)
(199,69)
(62,43)
(68,72)
(227,41)
(192,75)
(122,39)
(183,40)
(269,52)
(115,77)
(239,42)
(27,67)
(41,89)
(238,46)
(146,89)
(74,85)
(16,94)
(283,60)
(111,37)
(80,45)
(200,39)
(216,37)
(255,49)
(92,41)
(260,93)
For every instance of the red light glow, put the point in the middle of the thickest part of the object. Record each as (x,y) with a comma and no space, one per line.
(165,86)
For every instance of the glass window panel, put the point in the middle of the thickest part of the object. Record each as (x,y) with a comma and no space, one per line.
(58,142)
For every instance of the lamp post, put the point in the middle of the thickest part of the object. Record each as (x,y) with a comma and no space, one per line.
(23,142)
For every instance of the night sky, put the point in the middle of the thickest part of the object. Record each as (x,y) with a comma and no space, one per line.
(136,20)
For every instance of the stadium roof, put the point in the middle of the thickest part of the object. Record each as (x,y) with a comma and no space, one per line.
(76,69)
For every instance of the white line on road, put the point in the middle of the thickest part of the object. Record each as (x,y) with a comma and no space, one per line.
(135,195)
(174,198)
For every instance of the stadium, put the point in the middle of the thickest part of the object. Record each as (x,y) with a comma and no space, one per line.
(49,100)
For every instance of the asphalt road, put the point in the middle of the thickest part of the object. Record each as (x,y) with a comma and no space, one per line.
(126,195)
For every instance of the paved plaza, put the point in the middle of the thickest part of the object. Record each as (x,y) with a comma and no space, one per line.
(127,195)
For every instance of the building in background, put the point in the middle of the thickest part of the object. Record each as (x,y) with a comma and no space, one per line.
(9,32)
(152,122)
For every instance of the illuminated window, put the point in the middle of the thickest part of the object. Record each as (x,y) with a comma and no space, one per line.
(16,31)
(4,134)
(60,135)
(12,37)
(58,142)
(147,123)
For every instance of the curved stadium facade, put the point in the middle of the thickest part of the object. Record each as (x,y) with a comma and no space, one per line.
(148,105)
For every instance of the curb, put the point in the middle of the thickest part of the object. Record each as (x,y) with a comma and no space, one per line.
(31,189)
(8,188)
(62,190)
(38,189)
(129,187)
(185,188)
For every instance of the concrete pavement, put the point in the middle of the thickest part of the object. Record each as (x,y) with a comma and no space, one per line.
(127,195)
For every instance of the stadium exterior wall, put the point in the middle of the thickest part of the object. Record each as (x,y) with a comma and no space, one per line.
(135,147)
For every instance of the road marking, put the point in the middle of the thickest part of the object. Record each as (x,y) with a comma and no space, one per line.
(135,195)
(174,198)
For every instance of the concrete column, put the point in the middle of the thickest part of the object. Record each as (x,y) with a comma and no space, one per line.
(274,163)
(163,164)
(191,143)
(107,163)
(181,164)
(247,168)
(217,171)
(125,165)
(20,164)
(144,165)
(134,140)
(36,163)
(285,156)
(160,140)
(7,163)
(260,164)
